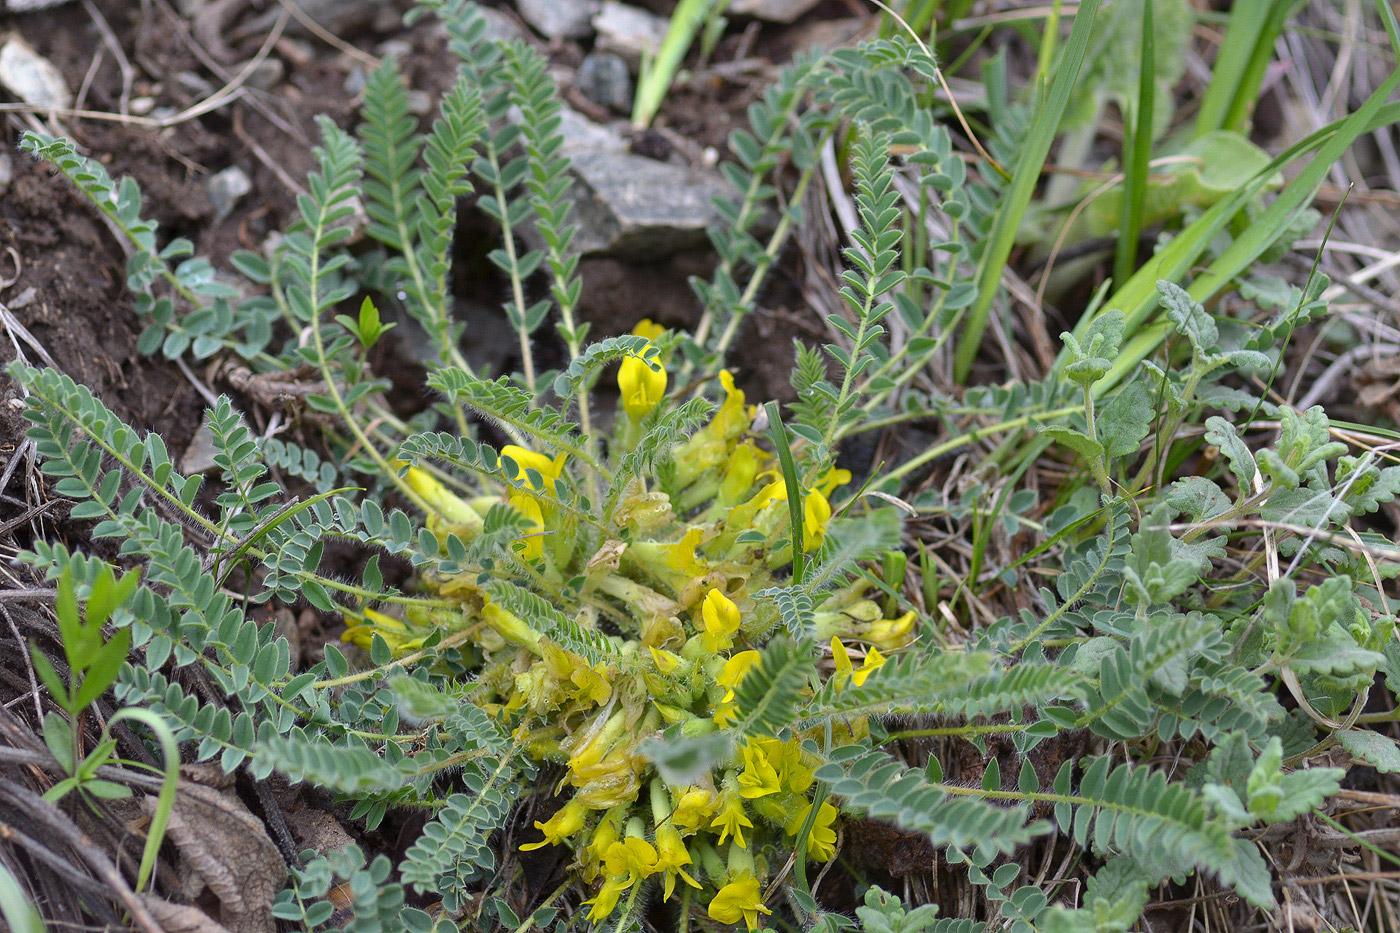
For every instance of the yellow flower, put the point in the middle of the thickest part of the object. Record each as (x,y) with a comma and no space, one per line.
(759,778)
(549,470)
(821,841)
(710,446)
(395,634)
(604,835)
(665,661)
(734,670)
(642,387)
(845,670)
(626,863)
(729,677)
(567,821)
(794,770)
(731,820)
(694,808)
(816,515)
(648,329)
(671,855)
(891,633)
(676,564)
(739,474)
(831,479)
(732,419)
(530,546)
(740,899)
(441,500)
(721,618)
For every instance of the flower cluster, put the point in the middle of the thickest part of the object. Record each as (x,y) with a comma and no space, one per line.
(668,580)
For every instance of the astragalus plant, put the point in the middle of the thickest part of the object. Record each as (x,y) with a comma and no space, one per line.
(661,619)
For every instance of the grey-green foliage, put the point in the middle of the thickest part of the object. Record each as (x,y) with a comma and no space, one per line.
(1145,635)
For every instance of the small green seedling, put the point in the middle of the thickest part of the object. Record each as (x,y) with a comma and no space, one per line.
(368,329)
(92,663)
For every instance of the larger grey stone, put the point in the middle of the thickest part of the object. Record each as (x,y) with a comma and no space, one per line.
(628,31)
(637,208)
(31,77)
(774,11)
(559,19)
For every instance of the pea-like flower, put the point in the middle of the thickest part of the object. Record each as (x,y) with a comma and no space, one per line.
(821,841)
(759,777)
(738,900)
(695,806)
(816,515)
(560,826)
(729,677)
(627,862)
(394,632)
(642,387)
(530,546)
(892,633)
(721,618)
(446,504)
(845,670)
(731,820)
(549,470)
(671,857)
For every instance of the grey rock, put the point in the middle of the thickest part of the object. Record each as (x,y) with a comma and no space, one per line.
(774,11)
(226,188)
(31,77)
(628,31)
(583,135)
(558,19)
(636,208)
(498,25)
(7,171)
(628,206)
(394,48)
(335,16)
(199,456)
(604,79)
(266,75)
(825,34)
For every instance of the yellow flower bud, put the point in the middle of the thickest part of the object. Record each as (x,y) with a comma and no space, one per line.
(739,475)
(721,618)
(648,329)
(671,855)
(740,899)
(530,546)
(759,778)
(448,506)
(560,826)
(642,387)
(549,470)
(816,515)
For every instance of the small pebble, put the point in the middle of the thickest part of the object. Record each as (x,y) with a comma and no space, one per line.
(604,79)
(226,188)
(266,75)
(7,171)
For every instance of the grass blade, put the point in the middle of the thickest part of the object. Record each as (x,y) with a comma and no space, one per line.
(1023,181)
(1137,153)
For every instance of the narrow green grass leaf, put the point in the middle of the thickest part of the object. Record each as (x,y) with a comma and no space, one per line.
(1023,181)
(1137,153)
